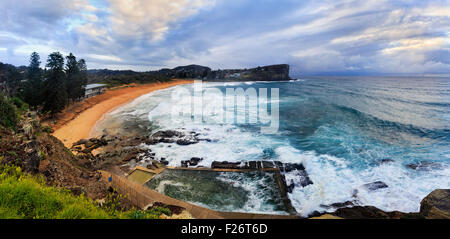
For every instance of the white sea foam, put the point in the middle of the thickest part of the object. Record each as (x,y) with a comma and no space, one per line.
(334,179)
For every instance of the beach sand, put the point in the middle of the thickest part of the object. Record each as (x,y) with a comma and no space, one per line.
(77,121)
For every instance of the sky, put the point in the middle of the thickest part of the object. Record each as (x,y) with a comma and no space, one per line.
(314,37)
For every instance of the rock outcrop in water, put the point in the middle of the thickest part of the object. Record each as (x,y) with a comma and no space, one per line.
(375,185)
(436,205)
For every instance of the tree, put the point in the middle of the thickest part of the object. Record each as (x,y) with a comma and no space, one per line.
(84,77)
(76,77)
(33,91)
(73,77)
(10,78)
(55,85)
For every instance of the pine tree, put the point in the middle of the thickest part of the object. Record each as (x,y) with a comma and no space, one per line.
(33,91)
(55,85)
(84,77)
(73,77)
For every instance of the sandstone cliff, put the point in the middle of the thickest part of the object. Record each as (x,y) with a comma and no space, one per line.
(265,73)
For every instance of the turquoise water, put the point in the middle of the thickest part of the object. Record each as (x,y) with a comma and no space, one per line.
(340,128)
(222,191)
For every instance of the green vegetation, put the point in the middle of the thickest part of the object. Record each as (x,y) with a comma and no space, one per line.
(19,103)
(141,78)
(25,196)
(76,73)
(49,89)
(55,93)
(8,113)
(33,87)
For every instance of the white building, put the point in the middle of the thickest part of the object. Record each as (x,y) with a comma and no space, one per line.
(94,89)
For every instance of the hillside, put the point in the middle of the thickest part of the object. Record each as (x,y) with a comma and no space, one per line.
(41,178)
(265,73)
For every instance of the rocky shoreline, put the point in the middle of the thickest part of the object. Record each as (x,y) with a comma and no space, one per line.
(125,152)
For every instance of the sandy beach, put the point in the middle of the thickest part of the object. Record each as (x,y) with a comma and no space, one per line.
(77,121)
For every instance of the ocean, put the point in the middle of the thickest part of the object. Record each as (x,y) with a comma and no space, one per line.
(346,131)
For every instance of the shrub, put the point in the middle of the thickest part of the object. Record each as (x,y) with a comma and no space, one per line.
(20,104)
(47,129)
(8,113)
(153,213)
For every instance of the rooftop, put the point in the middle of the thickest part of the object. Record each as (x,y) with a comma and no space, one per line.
(93,86)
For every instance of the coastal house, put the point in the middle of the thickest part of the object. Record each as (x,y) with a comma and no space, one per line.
(94,89)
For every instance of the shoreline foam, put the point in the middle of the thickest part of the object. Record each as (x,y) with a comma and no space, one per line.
(80,126)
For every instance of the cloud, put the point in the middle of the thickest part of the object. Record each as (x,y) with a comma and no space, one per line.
(34,19)
(315,37)
(141,18)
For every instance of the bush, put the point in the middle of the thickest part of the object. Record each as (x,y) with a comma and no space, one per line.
(153,213)
(8,113)
(20,104)
(47,129)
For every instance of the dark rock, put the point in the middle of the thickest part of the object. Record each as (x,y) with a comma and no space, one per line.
(339,205)
(258,165)
(164,161)
(89,144)
(375,185)
(359,212)
(167,134)
(315,214)
(80,142)
(304,178)
(291,186)
(252,165)
(436,205)
(194,161)
(185,163)
(278,164)
(225,165)
(386,160)
(151,141)
(87,150)
(186,141)
(423,166)
(288,167)
(268,164)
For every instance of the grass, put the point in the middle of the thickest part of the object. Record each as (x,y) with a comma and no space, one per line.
(23,196)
